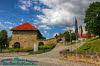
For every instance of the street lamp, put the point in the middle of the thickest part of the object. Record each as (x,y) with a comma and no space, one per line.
(70,36)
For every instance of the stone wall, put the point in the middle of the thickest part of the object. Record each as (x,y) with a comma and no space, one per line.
(26,39)
(88,57)
(47,41)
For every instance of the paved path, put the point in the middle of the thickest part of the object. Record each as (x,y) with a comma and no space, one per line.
(50,58)
(55,52)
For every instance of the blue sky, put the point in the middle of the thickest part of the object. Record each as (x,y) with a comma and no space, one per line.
(49,16)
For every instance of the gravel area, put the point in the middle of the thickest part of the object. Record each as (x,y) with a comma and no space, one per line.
(49,58)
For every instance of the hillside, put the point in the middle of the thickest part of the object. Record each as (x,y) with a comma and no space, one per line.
(91,45)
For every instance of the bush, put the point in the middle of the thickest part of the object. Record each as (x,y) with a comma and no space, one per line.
(91,39)
(44,48)
(47,46)
(20,50)
(40,51)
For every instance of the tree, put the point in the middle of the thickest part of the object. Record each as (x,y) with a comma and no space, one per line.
(92,18)
(3,39)
(67,36)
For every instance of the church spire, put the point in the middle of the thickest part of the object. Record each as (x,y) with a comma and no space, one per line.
(76,28)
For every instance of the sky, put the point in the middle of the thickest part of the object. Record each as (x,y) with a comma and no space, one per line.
(49,16)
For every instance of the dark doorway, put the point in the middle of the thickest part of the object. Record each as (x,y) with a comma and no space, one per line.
(17,45)
(41,43)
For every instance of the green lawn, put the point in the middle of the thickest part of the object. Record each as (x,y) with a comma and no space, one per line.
(91,45)
(42,49)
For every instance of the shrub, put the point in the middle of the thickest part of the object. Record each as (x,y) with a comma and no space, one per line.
(40,51)
(44,48)
(47,46)
(91,39)
(20,50)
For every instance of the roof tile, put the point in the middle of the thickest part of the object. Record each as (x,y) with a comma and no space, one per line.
(25,26)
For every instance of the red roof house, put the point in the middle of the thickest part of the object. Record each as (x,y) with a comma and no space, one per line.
(84,35)
(25,26)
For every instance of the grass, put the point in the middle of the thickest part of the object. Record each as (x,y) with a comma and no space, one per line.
(91,45)
(42,49)
(19,50)
(72,43)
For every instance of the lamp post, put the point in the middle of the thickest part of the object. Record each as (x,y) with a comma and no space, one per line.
(70,36)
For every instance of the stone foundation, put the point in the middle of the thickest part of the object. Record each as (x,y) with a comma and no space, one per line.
(88,57)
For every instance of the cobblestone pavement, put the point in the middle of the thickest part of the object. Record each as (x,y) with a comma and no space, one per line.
(48,59)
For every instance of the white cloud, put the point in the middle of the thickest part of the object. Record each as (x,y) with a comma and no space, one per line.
(7,22)
(45,31)
(44,27)
(10,27)
(2,26)
(55,34)
(71,28)
(37,8)
(22,20)
(36,22)
(25,4)
(63,12)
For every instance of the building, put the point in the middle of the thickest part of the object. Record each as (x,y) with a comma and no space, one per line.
(24,36)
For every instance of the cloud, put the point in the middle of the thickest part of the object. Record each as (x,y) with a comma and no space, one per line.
(63,12)
(7,22)
(25,4)
(55,34)
(2,26)
(45,31)
(37,8)
(22,20)
(44,27)
(10,27)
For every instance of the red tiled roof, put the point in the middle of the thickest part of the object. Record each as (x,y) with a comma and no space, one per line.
(25,26)
(84,35)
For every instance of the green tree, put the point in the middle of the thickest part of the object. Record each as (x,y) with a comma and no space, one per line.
(67,36)
(3,39)
(92,18)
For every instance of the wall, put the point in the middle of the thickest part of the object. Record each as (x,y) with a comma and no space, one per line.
(26,39)
(48,41)
(89,57)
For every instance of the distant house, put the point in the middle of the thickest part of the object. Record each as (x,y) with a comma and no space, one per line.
(83,36)
(24,36)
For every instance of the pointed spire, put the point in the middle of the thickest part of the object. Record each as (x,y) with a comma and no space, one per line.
(76,28)
(81,30)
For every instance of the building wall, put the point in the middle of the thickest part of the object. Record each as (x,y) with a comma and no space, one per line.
(26,39)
